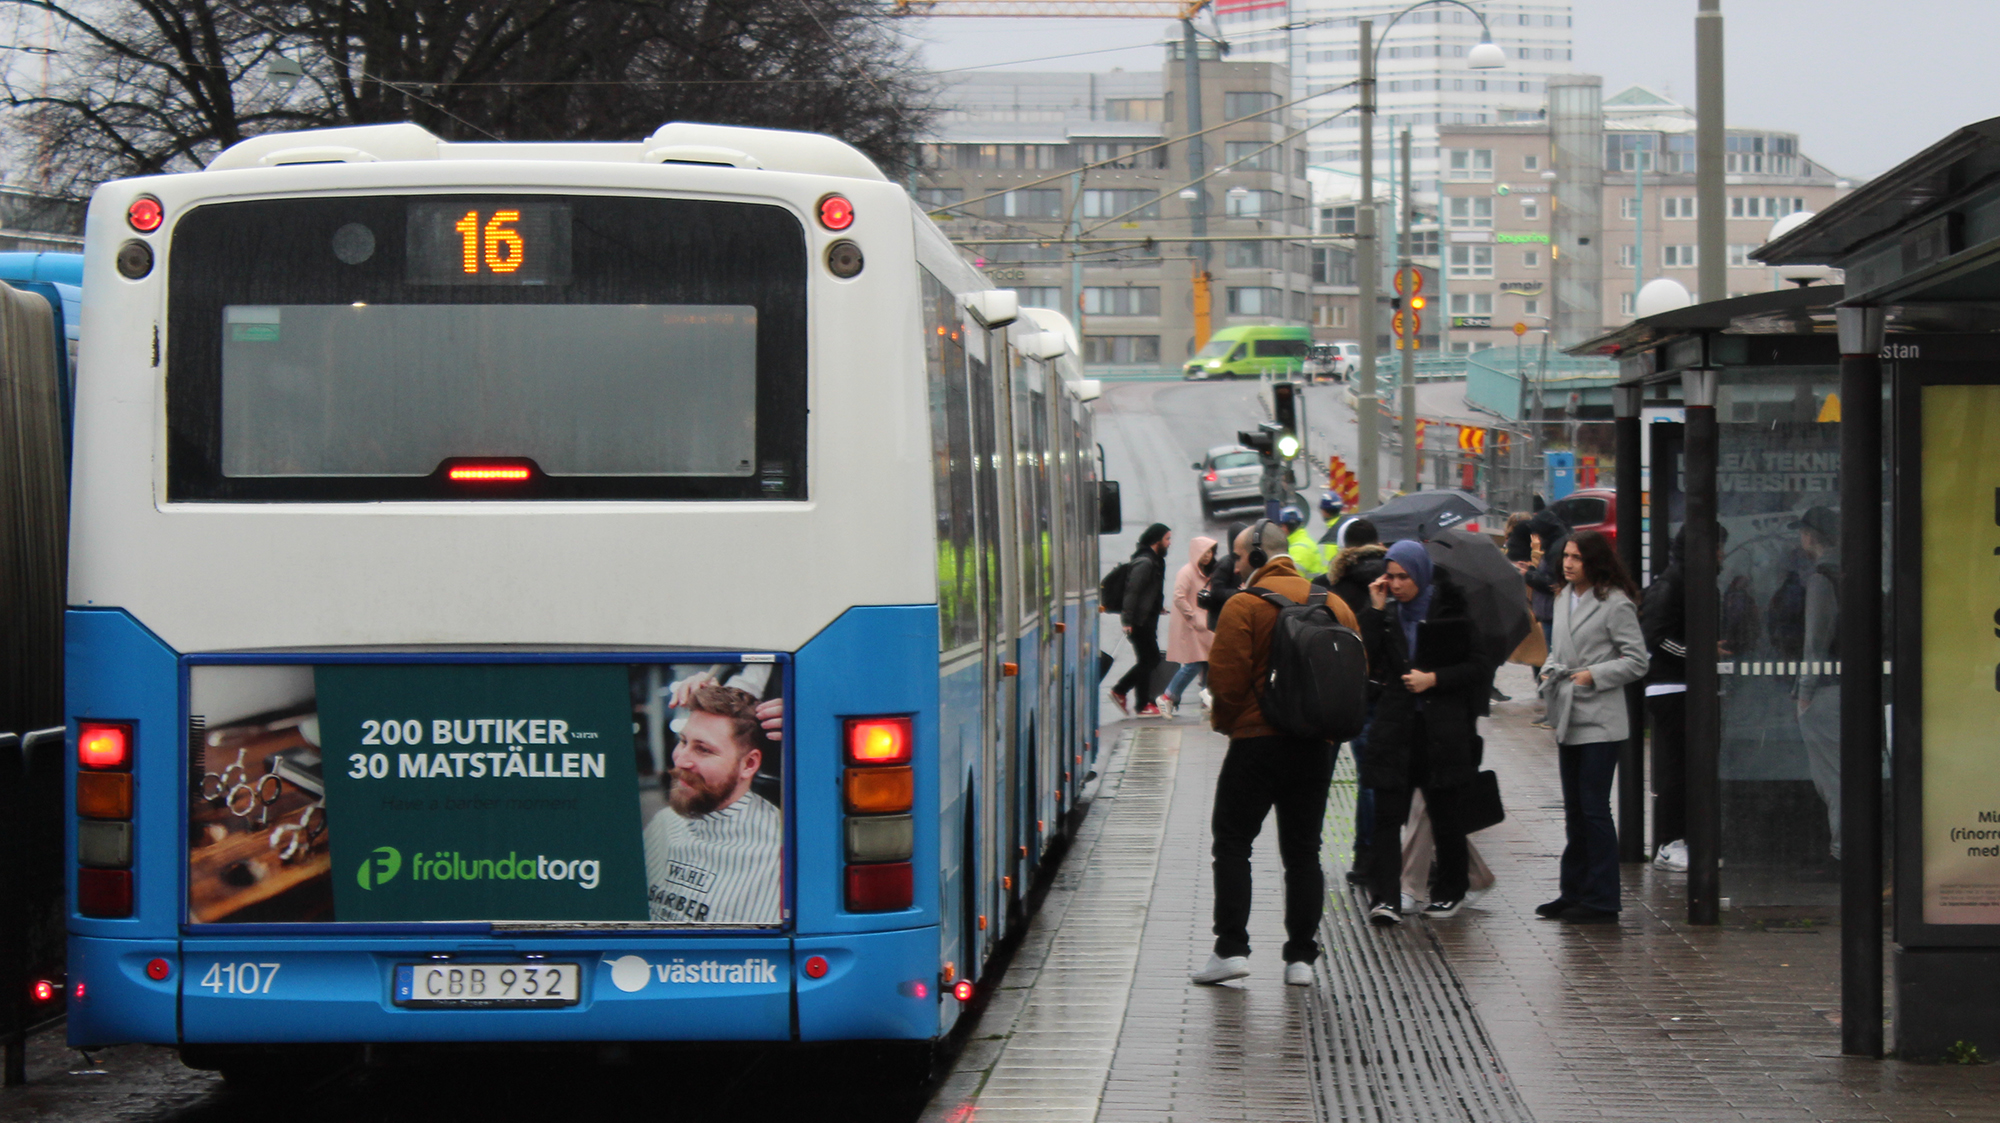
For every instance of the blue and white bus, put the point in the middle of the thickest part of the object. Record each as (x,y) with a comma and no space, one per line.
(561,593)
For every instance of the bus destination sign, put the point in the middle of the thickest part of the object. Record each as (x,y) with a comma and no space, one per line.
(484,240)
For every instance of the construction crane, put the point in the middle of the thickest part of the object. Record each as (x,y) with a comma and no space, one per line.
(1183,10)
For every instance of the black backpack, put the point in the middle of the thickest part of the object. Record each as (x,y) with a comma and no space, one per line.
(1318,681)
(1111,590)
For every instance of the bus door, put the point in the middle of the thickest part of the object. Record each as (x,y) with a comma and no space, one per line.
(995,771)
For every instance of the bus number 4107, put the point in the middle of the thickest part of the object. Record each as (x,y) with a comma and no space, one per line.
(240,978)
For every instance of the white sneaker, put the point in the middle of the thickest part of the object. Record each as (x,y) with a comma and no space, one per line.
(1167,705)
(1220,970)
(1298,974)
(1672,856)
(1207,699)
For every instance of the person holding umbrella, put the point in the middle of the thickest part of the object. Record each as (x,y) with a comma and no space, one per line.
(1596,647)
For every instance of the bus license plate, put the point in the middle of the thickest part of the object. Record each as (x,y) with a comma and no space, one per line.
(460,985)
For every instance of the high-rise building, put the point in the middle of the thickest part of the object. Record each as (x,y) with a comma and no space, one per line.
(1422,77)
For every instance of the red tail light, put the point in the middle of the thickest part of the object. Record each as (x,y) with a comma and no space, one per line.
(488,473)
(836,213)
(1210,477)
(42,991)
(104,745)
(145,214)
(105,894)
(962,990)
(878,740)
(880,887)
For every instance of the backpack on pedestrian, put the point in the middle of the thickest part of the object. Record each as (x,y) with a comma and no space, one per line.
(1317,686)
(1111,590)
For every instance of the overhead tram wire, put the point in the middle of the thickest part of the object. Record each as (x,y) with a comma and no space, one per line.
(935,212)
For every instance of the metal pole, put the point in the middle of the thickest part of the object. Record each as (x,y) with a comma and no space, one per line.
(1704,709)
(1411,337)
(1367,473)
(1860,681)
(1196,154)
(1075,248)
(1631,759)
(1710,233)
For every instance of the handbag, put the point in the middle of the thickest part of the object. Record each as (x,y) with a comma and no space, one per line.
(1481,806)
(1534,651)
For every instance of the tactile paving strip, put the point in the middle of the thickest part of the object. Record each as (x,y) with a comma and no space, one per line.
(1394,1033)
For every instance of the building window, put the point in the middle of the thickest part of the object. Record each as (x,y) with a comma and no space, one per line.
(1423,243)
(1739,257)
(1336,221)
(1253,204)
(1248,255)
(1238,105)
(1530,163)
(1122,300)
(1253,156)
(1627,304)
(1032,202)
(1005,156)
(1024,252)
(1677,257)
(1531,259)
(1471,261)
(1332,265)
(1744,206)
(1469,164)
(1628,256)
(1040,296)
(1470,212)
(1121,350)
(1677,206)
(1135,109)
(1531,306)
(1628,208)
(934,198)
(1531,208)
(1121,157)
(937,155)
(1114,204)
(1256,302)
(1472,304)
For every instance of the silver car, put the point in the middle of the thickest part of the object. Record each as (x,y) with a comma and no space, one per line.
(1231,480)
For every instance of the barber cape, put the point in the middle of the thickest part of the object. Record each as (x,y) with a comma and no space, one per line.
(722,868)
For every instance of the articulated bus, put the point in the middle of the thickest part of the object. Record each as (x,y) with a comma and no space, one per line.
(592,592)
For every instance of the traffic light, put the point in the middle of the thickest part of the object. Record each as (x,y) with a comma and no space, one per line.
(1285,415)
(1417,303)
(1260,439)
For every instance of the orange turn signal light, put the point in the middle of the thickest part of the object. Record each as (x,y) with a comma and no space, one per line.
(876,790)
(104,795)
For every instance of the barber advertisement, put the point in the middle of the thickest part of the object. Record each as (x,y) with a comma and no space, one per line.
(1961,654)
(412,792)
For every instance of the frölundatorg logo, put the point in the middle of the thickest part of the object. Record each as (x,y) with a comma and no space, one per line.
(386,862)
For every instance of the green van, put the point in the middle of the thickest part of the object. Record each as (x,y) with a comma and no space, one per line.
(1252,351)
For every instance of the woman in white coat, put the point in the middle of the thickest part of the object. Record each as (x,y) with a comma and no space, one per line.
(1595,647)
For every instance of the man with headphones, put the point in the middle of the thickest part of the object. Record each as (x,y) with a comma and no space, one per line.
(1264,768)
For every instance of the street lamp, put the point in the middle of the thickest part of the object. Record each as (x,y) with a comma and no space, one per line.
(284,73)
(1485,56)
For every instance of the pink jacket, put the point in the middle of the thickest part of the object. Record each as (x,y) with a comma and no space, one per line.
(1188,636)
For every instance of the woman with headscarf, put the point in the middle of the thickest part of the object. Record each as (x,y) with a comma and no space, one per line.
(1188,633)
(1432,684)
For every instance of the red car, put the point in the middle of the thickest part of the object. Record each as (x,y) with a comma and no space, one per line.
(1590,508)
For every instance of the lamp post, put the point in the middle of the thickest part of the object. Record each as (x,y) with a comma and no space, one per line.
(1485,56)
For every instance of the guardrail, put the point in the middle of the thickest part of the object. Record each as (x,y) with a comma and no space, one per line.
(32,930)
(1133,373)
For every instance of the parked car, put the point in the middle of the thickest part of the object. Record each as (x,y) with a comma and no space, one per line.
(1231,480)
(1252,351)
(1590,508)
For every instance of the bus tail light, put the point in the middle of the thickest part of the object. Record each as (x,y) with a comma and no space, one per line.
(104,894)
(44,990)
(962,990)
(878,740)
(835,212)
(145,214)
(104,795)
(887,887)
(873,791)
(104,846)
(880,838)
(488,473)
(104,745)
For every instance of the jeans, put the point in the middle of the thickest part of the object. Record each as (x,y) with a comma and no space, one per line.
(1590,860)
(1669,713)
(1145,649)
(1258,773)
(1183,677)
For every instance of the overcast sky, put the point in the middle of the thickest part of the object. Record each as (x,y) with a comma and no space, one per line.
(1865,83)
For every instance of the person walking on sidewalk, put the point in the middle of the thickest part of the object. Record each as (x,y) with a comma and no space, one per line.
(1352,570)
(1596,647)
(1544,575)
(1188,634)
(1818,686)
(1424,657)
(1145,599)
(1663,619)
(1264,769)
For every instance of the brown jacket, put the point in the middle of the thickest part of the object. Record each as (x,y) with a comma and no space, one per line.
(1240,658)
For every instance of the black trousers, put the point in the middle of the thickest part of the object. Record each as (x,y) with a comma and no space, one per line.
(1590,857)
(1669,712)
(1449,876)
(1146,649)
(1259,773)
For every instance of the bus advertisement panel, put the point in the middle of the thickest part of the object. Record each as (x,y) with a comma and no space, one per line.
(411,792)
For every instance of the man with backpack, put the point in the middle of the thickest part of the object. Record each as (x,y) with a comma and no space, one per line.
(1139,588)
(1288,682)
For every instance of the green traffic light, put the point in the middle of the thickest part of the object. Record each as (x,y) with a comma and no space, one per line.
(1288,446)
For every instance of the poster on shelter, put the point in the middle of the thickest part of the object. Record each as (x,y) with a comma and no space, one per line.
(379,792)
(1961,654)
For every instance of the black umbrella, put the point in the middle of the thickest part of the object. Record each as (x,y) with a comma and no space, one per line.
(1423,514)
(1493,588)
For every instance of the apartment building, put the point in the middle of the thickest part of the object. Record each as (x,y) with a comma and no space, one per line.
(1072,189)
(1508,249)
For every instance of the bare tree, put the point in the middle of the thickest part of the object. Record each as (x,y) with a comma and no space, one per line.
(162,85)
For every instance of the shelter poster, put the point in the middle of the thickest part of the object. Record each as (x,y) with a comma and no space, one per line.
(379,792)
(1961,661)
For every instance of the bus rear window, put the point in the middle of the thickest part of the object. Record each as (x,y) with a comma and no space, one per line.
(620,347)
